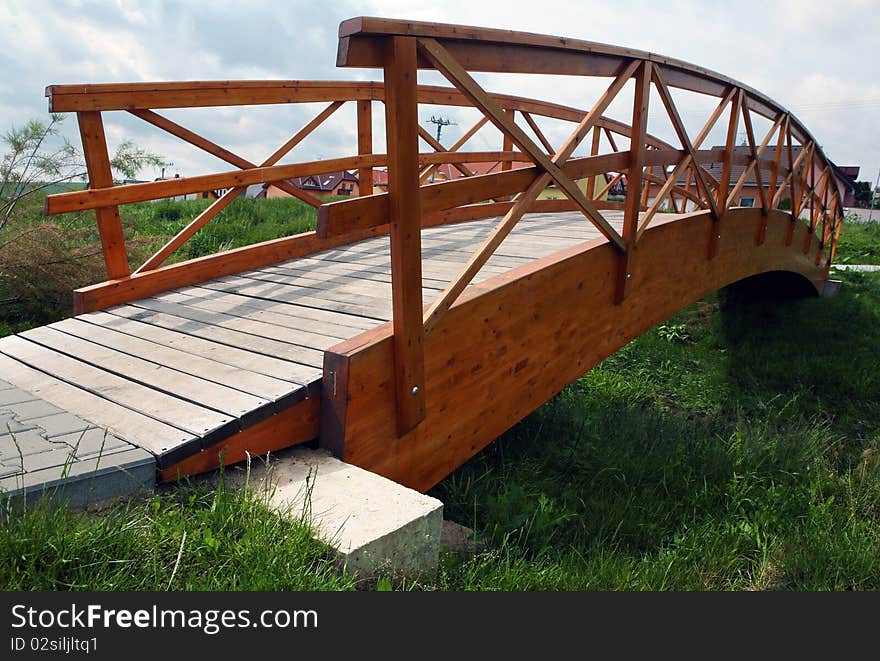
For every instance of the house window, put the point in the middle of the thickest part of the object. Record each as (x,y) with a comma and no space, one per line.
(747,201)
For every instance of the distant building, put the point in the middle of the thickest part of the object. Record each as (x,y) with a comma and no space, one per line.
(334,184)
(749,195)
(448,172)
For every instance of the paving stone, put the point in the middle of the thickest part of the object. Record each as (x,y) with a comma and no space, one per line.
(6,471)
(25,443)
(14,396)
(61,423)
(9,425)
(59,456)
(25,411)
(86,481)
(92,442)
(4,385)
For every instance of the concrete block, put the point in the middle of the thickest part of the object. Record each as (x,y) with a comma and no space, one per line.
(376,526)
(9,425)
(831,288)
(57,457)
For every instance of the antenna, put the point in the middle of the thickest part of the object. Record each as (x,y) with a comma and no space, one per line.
(441,122)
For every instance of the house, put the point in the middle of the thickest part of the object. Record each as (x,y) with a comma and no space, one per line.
(333,184)
(749,195)
(448,172)
(846,176)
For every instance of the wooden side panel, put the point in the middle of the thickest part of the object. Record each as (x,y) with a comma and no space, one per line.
(295,425)
(512,342)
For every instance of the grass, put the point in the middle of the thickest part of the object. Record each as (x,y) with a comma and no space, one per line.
(226,540)
(245,221)
(42,260)
(859,243)
(736,446)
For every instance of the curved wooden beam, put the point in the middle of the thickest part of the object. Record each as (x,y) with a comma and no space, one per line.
(532,331)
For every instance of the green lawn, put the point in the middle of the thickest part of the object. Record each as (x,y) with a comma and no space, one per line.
(859,243)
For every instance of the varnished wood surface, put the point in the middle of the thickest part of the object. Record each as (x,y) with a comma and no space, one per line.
(514,341)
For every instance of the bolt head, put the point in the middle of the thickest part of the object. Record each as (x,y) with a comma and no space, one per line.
(629,276)
(717,236)
(415,390)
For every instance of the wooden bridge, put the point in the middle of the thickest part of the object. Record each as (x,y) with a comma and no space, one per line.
(416,325)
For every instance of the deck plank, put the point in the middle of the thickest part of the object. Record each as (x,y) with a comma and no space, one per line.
(182,370)
(296,376)
(199,421)
(142,430)
(295,355)
(289,334)
(239,378)
(205,393)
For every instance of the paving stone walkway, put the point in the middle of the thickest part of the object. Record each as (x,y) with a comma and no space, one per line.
(44,449)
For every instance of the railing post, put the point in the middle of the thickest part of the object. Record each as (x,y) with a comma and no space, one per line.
(635,181)
(365,144)
(401,129)
(507,143)
(91,130)
(594,151)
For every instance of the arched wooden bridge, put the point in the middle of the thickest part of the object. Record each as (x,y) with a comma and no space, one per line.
(407,356)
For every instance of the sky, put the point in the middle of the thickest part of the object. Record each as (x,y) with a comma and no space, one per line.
(819,59)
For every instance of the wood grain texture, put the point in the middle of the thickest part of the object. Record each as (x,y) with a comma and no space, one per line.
(295,425)
(405,220)
(492,359)
(91,131)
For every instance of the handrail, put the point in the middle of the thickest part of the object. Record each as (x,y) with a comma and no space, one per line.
(527,162)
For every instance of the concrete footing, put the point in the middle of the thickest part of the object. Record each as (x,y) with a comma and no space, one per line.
(831,288)
(376,526)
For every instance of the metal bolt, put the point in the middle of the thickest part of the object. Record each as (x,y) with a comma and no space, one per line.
(415,391)
(629,276)
(717,236)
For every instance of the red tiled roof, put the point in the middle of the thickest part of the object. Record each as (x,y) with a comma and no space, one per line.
(323,182)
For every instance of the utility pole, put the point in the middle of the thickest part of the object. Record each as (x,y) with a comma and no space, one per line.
(873,195)
(441,122)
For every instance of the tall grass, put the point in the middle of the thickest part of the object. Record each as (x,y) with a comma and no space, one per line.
(191,538)
(243,222)
(42,260)
(859,243)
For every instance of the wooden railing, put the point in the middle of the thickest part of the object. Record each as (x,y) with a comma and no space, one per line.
(678,175)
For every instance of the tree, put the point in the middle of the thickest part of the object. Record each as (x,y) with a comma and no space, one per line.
(38,157)
(863,193)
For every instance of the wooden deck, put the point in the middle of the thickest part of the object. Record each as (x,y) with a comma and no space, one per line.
(182,371)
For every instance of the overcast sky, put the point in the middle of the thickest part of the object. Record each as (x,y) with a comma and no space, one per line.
(818,58)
